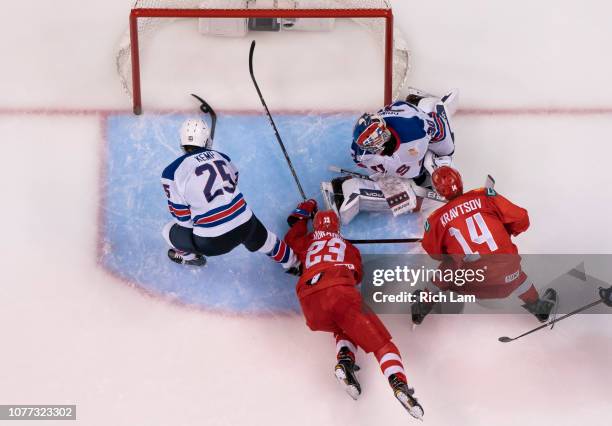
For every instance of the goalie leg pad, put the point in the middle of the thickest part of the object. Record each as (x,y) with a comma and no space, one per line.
(399,194)
(359,195)
(352,195)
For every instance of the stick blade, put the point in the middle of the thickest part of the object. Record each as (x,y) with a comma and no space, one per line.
(335,169)
(505,339)
(251,51)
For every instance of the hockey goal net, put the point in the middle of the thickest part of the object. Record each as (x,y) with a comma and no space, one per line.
(238,17)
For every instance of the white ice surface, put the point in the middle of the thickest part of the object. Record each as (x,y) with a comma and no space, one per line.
(73,334)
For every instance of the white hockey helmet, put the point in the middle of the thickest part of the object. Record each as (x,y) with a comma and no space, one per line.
(195,132)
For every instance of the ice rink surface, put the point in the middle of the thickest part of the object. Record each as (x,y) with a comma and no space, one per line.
(536,112)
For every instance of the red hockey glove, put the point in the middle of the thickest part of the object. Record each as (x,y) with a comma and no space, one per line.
(304,210)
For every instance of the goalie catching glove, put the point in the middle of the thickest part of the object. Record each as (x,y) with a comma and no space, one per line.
(304,210)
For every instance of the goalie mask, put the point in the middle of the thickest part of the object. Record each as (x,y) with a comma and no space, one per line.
(195,132)
(371,133)
(326,220)
(447,182)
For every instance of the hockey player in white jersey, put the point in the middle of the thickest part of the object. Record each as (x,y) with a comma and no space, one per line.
(400,145)
(210,215)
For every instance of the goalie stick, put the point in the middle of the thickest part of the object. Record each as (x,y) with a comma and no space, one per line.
(386,241)
(278,138)
(207,109)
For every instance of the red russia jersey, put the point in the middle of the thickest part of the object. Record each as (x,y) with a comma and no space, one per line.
(477,222)
(327,259)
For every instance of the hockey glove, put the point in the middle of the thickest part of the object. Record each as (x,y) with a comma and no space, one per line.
(304,210)
(432,161)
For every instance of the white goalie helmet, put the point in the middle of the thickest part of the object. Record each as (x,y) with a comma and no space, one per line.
(195,132)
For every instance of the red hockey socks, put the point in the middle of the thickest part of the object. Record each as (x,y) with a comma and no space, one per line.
(390,361)
(343,341)
(530,296)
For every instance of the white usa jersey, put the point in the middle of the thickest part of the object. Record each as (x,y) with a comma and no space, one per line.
(414,132)
(202,191)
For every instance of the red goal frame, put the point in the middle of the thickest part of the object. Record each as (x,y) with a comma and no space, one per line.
(135,14)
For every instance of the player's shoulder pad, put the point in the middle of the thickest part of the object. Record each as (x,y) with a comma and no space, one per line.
(170,170)
(409,129)
(489,192)
(398,106)
(225,156)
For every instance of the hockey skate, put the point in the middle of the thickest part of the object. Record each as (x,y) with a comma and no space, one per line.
(414,95)
(186,258)
(544,307)
(606,295)
(404,395)
(295,270)
(432,103)
(420,309)
(345,373)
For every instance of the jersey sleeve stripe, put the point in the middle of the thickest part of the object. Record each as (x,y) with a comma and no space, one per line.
(180,212)
(178,206)
(440,128)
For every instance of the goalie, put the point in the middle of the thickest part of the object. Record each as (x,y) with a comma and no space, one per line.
(400,145)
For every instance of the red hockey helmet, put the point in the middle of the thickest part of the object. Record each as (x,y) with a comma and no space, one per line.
(447,182)
(326,220)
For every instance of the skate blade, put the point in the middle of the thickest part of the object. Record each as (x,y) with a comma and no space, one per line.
(552,319)
(419,92)
(410,404)
(348,388)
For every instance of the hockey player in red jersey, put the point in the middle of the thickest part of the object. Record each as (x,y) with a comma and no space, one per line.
(473,230)
(330,302)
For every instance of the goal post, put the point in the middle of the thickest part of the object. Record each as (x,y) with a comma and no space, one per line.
(143,18)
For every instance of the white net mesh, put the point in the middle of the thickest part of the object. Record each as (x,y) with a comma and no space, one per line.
(375,26)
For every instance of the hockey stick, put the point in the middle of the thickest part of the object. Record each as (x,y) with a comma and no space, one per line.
(506,339)
(340,170)
(386,241)
(278,138)
(207,109)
